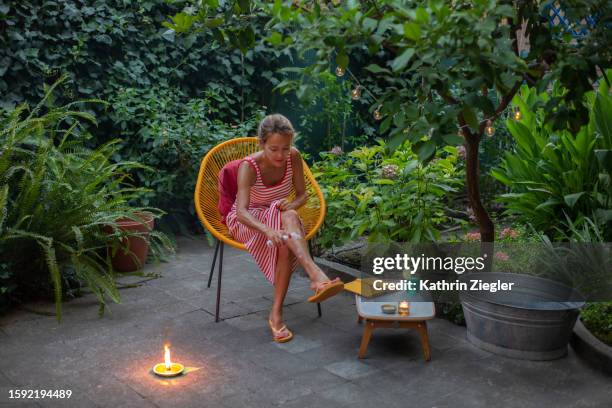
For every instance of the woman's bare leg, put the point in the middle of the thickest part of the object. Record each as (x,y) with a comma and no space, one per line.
(281,284)
(299,248)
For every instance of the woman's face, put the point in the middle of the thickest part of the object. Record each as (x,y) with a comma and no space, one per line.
(276,149)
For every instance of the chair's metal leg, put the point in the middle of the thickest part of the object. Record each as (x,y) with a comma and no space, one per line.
(212,268)
(319,309)
(219,283)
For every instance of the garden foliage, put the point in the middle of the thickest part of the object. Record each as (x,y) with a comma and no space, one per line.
(387,196)
(597,317)
(119,51)
(56,196)
(558,179)
(166,131)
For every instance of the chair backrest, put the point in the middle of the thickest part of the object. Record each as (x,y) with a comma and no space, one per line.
(207,193)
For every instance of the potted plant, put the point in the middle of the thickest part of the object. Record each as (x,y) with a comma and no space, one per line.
(129,252)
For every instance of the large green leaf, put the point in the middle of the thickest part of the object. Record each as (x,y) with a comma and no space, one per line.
(602,109)
(572,199)
(400,62)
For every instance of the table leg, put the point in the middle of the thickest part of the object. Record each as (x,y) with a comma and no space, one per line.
(367,333)
(422,328)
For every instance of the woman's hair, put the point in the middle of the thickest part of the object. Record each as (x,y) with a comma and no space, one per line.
(275,123)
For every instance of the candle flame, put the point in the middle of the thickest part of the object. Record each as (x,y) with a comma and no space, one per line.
(167,357)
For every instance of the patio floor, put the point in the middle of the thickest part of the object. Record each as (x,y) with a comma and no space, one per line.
(107,361)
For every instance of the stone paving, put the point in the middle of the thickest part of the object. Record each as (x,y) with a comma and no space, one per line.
(107,361)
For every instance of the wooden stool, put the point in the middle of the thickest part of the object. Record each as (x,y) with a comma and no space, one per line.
(371,314)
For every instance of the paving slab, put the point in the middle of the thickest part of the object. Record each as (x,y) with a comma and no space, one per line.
(107,360)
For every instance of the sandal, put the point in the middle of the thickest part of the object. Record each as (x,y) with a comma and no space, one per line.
(276,336)
(329,289)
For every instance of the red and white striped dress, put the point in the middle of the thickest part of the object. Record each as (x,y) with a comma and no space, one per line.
(263,203)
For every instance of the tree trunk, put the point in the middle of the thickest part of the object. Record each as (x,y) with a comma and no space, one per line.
(487,229)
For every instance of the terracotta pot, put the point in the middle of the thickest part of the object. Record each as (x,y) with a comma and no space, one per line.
(124,261)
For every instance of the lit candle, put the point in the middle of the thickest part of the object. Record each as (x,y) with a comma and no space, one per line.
(168,368)
(403,307)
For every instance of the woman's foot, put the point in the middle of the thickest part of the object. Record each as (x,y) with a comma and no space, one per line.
(321,283)
(325,289)
(280,332)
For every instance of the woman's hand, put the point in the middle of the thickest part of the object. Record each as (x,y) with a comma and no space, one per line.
(274,236)
(285,205)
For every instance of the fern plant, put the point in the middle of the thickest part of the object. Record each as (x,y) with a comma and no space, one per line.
(56,197)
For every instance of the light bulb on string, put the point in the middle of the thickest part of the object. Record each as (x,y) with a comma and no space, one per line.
(377,114)
(339,71)
(517,114)
(489,130)
(356,93)
(460,133)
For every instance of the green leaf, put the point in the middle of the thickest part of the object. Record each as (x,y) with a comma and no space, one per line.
(369,24)
(275,38)
(377,69)
(342,60)
(401,61)
(604,157)
(571,199)
(245,5)
(105,39)
(384,181)
(169,35)
(421,15)
(470,117)
(412,31)
(426,150)
(602,109)
(213,22)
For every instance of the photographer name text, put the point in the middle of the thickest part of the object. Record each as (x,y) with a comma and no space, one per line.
(474,285)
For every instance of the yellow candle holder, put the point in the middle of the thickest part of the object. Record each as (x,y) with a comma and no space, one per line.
(172,371)
(403,307)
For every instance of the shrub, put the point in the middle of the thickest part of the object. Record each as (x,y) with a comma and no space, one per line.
(388,196)
(169,132)
(56,196)
(597,317)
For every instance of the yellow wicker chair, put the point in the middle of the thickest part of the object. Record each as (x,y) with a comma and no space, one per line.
(206,198)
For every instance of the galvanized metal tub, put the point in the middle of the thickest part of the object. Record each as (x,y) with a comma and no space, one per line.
(533,321)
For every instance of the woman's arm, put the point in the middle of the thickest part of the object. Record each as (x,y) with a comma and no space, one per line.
(246,178)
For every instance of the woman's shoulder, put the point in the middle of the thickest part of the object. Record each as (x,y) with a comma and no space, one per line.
(295,154)
(247,169)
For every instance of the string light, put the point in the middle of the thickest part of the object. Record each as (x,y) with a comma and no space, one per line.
(377,114)
(517,114)
(357,91)
(489,129)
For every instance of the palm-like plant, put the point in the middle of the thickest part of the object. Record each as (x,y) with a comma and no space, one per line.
(56,196)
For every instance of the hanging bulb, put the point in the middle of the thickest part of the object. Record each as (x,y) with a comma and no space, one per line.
(489,129)
(460,133)
(356,93)
(377,114)
(339,71)
(517,114)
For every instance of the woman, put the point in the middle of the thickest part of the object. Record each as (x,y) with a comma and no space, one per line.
(267,223)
